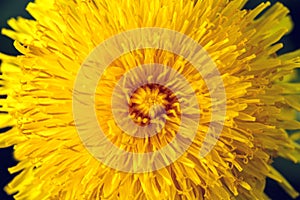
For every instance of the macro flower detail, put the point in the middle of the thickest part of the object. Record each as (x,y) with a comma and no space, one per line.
(56,162)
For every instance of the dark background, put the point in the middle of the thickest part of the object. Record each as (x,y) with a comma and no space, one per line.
(9,9)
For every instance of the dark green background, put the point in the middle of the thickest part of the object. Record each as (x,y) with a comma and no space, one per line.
(14,8)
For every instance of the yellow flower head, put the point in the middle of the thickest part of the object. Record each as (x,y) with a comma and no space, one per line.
(152,99)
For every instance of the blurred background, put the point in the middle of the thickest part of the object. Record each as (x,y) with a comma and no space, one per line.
(9,9)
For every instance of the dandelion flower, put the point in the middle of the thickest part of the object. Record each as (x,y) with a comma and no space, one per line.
(52,160)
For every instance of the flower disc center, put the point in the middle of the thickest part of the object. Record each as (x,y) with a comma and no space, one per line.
(147,101)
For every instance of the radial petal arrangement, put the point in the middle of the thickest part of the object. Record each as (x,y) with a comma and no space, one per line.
(261,107)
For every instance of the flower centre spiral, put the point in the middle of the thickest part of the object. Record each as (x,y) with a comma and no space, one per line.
(148,99)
